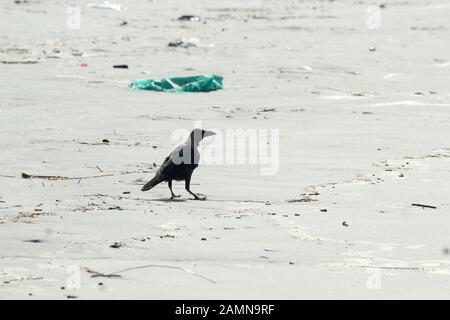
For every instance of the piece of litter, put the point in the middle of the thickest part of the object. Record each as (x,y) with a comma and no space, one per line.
(269,249)
(201,83)
(34,241)
(120,66)
(181,44)
(117,245)
(303,199)
(189,17)
(267,110)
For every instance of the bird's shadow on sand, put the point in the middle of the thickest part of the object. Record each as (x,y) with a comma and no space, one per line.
(169,200)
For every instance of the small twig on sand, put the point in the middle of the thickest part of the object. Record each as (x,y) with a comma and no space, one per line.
(130,172)
(117,275)
(99,274)
(18,62)
(6,176)
(423,205)
(30,176)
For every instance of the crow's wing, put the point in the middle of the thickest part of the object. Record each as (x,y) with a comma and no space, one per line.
(170,168)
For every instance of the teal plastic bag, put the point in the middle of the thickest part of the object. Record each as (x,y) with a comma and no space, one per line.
(203,83)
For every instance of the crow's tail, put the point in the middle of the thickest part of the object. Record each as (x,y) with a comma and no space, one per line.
(152,183)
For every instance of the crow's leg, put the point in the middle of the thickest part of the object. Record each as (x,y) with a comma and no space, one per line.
(188,189)
(173,194)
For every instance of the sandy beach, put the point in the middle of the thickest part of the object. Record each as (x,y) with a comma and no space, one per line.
(357,208)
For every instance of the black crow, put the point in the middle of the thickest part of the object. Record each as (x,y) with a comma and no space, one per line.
(181,163)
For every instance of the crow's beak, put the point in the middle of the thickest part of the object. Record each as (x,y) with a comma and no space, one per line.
(208,133)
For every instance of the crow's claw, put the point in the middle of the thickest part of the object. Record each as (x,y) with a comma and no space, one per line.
(196,197)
